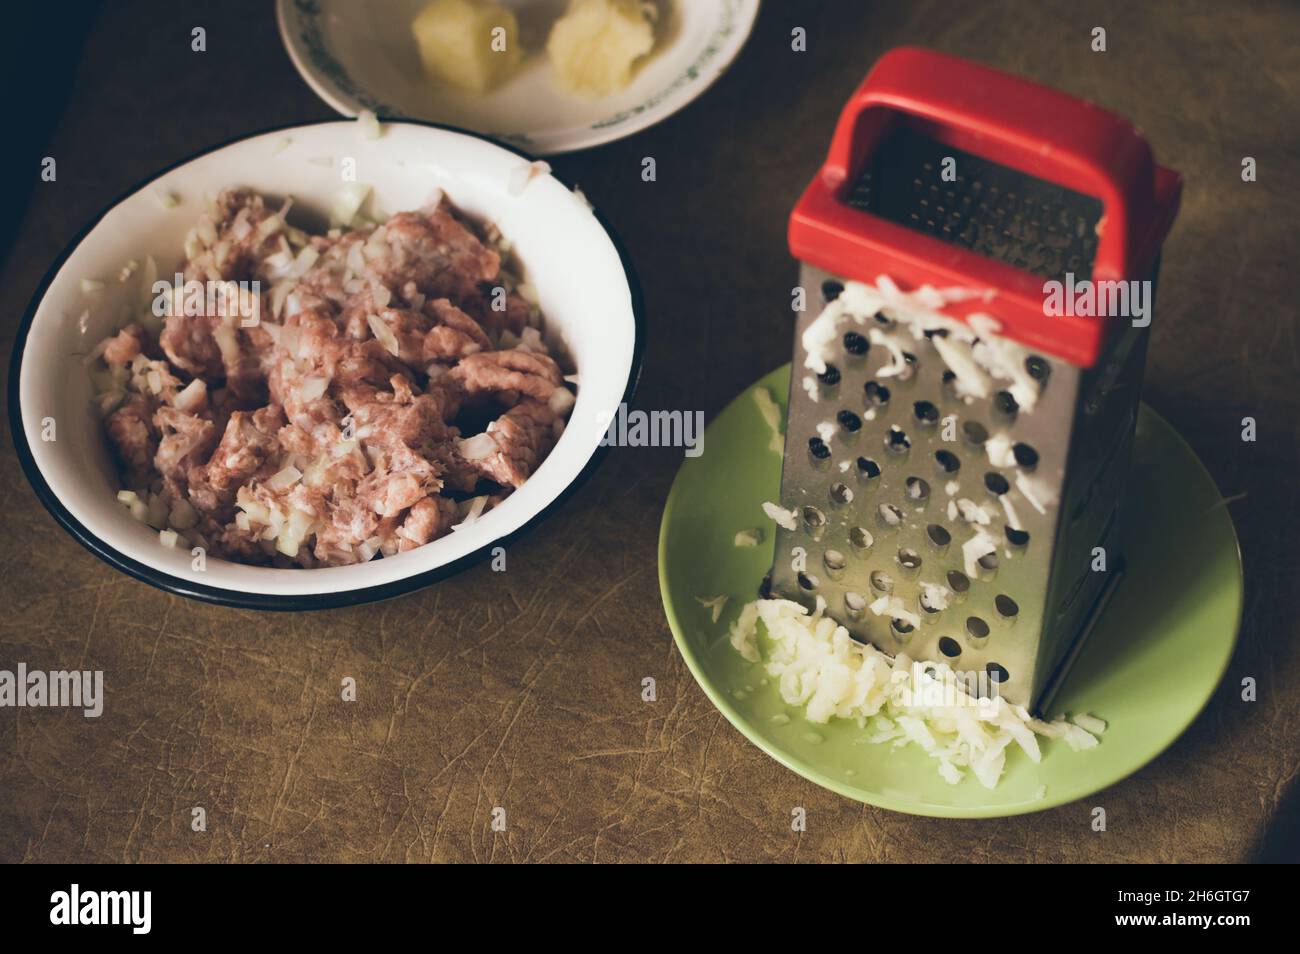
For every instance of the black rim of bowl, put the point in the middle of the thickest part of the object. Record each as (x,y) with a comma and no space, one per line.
(270,601)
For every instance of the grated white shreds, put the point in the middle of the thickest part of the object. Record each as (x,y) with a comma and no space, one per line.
(783,517)
(714,604)
(818,665)
(771,412)
(973,349)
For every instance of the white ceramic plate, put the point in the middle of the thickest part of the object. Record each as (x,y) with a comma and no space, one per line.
(359,54)
(586,286)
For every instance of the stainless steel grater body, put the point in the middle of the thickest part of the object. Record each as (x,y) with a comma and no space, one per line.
(1025,611)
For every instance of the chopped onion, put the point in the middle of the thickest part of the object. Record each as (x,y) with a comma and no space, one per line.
(91,285)
(168,538)
(284,479)
(478,447)
(291,340)
(377,244)
(521,175)
(312,388)
(347,202)
(368,125)
(562,401)
(356,260)
(379,293)
(304,262)
(270,225)
(192,396)
(383,334)
(474,511)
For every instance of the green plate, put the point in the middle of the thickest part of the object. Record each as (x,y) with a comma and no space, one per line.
(1153,662)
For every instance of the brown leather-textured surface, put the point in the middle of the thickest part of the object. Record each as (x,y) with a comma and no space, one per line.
(523,689)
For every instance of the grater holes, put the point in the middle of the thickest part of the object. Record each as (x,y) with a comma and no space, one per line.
(855,604)
(808,583)
(1006,405)
(834,561)
(1038,368)
(1017,538)
(860,539)
(868,469)
(938,536)
(976,628)
(883,321)
(909,559)
(996,484)
(1026,456)
(877,395)
(924,601)
(975,433)
(910,364)
(889,517)
(918,491)
(814,520)
(818,449)
(987,566)
(849,421)
(897,441)
(830,377)
(1007,607)
(997,673)
(949,647)
(948,462)
(765,587)
(841,494)
(832,289)
(958,582)
(949,386)
(901,628)
(925,412)
(881,582)
(856,344)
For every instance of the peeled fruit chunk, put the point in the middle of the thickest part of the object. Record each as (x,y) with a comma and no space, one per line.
(469,44)
(594,46)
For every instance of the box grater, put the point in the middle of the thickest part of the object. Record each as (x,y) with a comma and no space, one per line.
(956,457)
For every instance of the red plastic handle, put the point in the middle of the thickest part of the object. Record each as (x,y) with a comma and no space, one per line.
(1010,121)
(1016,123)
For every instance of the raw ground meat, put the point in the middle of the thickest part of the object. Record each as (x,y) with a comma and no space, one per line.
(340,424)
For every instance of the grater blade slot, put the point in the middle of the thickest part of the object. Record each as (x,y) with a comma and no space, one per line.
(991,209)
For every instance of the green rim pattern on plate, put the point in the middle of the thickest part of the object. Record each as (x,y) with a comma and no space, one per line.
(1149,669)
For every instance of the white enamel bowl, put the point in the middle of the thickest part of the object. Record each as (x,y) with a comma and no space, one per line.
(585,283)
